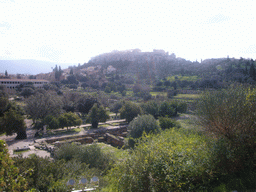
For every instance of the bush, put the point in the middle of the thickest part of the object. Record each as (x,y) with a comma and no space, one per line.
(143,123)
(92,155)
(182,107)
(45,174)
(166,123)
(174,160)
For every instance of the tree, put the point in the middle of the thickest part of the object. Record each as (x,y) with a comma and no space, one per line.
(10,179)
(12,122)
(97,114)
(72,80)
(71,71)
(116,107)
(85,103)
(6,73)
(252,71)
(51,122)
(151,108)
(84,85)
(166,109)
(40,105)
(70,101)
(130,110)
(27,92)
(3,102)
(69,119)
(57,72)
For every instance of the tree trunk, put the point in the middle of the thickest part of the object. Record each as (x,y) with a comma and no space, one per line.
(95,124)
(21,135)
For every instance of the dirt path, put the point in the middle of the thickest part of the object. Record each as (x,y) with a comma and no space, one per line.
(13,144)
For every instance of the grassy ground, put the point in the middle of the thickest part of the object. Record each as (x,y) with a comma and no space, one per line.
(188,121)
(182,78)
(186,96)
(164,94)
(20,152)
(117,153)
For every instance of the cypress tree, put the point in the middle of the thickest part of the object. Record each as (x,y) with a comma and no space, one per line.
(252,71)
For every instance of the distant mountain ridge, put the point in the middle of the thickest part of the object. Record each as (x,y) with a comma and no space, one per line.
(29,66)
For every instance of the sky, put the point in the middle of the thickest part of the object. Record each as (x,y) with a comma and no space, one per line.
(73,31)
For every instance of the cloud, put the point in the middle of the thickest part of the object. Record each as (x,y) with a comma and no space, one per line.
(4,26)
(50,53)
(217,19)
(251,49)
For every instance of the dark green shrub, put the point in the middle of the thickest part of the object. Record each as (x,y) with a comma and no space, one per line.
(182,107)
(166,123)
(166,109)
(92,155)
(143,123)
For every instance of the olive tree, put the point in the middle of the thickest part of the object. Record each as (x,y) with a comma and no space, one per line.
(40,105)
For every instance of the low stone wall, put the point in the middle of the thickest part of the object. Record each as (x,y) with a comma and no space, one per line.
(118,130)
(52,140)
(109,135)
(86,140)
(116,142)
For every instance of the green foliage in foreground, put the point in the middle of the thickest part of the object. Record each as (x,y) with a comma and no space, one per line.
(10,179)
(229,115)
(175,160)
(48,175)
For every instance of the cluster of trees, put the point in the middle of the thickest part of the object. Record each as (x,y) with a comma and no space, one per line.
(11,118)
(49,108)
(59,111)
(57,72)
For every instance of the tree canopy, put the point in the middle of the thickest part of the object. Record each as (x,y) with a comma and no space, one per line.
(97,114)
(130,110)
(40,105)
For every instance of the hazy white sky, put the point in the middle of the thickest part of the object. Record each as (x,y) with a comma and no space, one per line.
(73,31)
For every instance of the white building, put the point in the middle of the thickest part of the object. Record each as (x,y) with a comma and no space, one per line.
(13,83)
